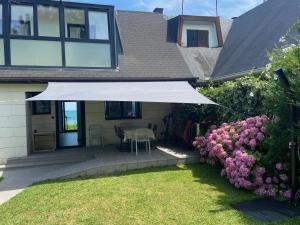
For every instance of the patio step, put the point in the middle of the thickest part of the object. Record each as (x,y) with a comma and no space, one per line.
(45,160)
(97,167)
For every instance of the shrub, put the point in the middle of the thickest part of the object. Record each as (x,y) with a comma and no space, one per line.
(238,149)
(239,99)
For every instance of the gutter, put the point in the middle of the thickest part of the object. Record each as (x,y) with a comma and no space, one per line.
(237,75)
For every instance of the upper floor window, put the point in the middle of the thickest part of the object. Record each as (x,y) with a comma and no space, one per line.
(21,20)
(75,23)
(48,21)
(197,38)
(98,25)
(57,34)
(1,20)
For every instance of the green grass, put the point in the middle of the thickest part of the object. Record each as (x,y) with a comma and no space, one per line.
(1,178)
(71,126)
(170,195)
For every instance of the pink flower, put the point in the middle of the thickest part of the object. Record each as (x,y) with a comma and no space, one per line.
(269,180)
(287,194)
(252,143)
(279,166)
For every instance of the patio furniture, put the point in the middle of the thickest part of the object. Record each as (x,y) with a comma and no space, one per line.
(95,134)
(139,135)
(124,146)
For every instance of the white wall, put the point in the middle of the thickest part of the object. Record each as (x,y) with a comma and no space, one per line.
(17,122)
(151,113)
(200,25)
(13,120)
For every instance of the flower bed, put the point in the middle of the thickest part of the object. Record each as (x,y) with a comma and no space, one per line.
(236,147)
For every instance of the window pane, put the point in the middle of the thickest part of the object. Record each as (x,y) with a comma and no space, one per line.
(1,52)
(21,20)
(87,54)
(35,53)
(130,110)
(113,110)
(41,107)
(1,20)
(98,25)
(48,21)
(75,23)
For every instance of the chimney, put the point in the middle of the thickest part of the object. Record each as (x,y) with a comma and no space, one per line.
(159,10)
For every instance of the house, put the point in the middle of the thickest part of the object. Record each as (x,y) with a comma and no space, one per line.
(66,67)
(83,65)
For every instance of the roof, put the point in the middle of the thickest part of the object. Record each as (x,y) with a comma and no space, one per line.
(202,61)
(253,34)
(146,56)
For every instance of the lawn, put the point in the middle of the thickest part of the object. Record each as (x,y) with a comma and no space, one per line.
(170,195)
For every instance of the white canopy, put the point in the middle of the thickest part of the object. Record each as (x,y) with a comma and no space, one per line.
(165,92)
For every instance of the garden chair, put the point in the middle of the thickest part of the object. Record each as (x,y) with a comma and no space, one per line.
(142,136)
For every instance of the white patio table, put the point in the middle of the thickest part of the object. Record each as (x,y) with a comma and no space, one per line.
(129,134)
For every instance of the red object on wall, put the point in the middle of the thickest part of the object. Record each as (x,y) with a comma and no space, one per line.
(186,132)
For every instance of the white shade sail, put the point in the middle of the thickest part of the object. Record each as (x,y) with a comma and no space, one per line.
(164,92)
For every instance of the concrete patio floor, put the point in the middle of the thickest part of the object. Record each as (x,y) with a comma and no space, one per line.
(21,173)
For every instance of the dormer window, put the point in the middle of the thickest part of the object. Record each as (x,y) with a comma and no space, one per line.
(57,34)
(197,38)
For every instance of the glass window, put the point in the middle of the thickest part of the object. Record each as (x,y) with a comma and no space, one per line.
(75,23)
(40,107)
(87,54)
(122,110)
(21,20)
(48,21)
(98,25)
(1,20)
(2,62)
(35,53)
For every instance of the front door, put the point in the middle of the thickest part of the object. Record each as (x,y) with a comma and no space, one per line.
(70,124)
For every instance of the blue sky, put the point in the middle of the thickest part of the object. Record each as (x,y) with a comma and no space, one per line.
(227,8)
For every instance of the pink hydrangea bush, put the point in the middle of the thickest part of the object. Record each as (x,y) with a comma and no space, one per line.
(234,146)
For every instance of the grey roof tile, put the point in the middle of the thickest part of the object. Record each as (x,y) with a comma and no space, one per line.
(253,35)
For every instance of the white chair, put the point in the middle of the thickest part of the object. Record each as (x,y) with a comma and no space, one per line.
(142,136)
(95,133)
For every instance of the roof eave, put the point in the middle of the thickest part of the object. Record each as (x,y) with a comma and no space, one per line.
(236,75)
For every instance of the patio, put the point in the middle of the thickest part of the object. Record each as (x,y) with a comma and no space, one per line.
(108,160)
(20,173)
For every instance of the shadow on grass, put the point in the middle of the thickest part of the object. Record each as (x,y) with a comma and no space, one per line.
(229,195)
(119,174)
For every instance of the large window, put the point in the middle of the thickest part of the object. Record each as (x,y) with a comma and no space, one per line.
(35,53)
(122,110)
(98,25)
(21,20)
(57,34)
(48,21)
(87,54)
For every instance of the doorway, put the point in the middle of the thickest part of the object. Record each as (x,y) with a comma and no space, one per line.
(70,124)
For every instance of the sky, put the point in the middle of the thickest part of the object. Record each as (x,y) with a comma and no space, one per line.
(227,8)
